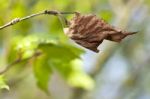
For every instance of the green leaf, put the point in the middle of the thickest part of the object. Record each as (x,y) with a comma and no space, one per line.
(61,52)
(26,46)
(42,72)
(81,80)
(55,54)
(65,59)
(78,78)
(74,74)
(3,85)
(106,15)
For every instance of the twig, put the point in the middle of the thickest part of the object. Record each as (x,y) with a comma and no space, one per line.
(16,20)
(17,61)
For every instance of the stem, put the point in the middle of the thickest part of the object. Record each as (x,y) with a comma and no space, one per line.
(17,20)
(17,61)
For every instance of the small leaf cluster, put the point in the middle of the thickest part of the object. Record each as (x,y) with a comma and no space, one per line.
(55,55)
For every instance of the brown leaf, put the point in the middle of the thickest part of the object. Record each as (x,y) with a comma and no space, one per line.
(90,31)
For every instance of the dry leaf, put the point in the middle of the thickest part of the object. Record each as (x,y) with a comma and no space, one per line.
(90,31)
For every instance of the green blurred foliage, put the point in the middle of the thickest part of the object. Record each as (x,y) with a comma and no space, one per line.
(55,54)
(3,84)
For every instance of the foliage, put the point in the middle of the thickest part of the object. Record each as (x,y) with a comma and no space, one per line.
(3,84)
(55,54)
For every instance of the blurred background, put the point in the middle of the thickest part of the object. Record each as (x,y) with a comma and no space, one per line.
(118,71)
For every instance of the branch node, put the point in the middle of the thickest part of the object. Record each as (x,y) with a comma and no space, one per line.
(51,12)
(14,21)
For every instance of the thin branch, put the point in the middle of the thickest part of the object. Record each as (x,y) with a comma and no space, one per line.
(17,20)
(17,61)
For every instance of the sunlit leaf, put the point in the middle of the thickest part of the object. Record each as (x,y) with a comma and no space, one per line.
(106,15)
(78,78)
(81,80)
(65,59)
(61,52)
(3,85)
(74,74)
(26,46)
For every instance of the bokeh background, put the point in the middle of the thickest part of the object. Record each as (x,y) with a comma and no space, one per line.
(119,71)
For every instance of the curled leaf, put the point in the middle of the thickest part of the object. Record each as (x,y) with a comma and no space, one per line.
(90,31)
